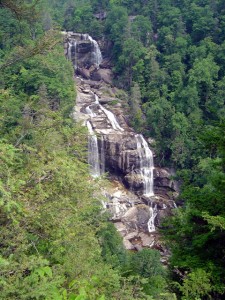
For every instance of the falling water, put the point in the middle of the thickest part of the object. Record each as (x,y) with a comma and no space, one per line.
(90,112)
(93,155)
(72,52)
(102,155)
(69,50)
(96,55)
(110,116)
(146,164)
(146,168)
(174,204)
(100,166)
(151,221)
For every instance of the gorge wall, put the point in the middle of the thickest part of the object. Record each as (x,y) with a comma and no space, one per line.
(141,195)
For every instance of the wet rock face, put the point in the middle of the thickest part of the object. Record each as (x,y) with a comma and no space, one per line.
(163,178)
(134,181)
(130,215)
(86,56)
(121,152)
(82,50)
(137,217)
(82,53)
(85,73)
(122,158)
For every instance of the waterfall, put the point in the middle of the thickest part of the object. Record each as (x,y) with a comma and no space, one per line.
(146,164)
(69,50)
(90,112)
(111,117)
(113,145)
(73,41)
(72,51)
(146,169)
(93,155)
(97,163)
(174,204)
(151,221)
(97,55)
(102,155)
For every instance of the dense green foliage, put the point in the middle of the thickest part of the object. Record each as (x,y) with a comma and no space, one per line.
(170,56)
(55,243)
(46,201)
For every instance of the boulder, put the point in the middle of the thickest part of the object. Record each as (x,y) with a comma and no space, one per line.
(128,245)
(162,178)
(102,74)
(137,218)
(147,240)
(121,228)
(134,181)
(164,184)
(84,73)
(131,236)
(117,209)
(138,247)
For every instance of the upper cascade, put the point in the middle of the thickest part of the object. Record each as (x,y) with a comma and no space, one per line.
(83,50)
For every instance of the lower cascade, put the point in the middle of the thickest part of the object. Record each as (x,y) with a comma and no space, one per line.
(93,153)
(146,165)
(140,193)
(153,214)
(96,158)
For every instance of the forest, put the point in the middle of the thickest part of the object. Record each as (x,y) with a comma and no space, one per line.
(55,243)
